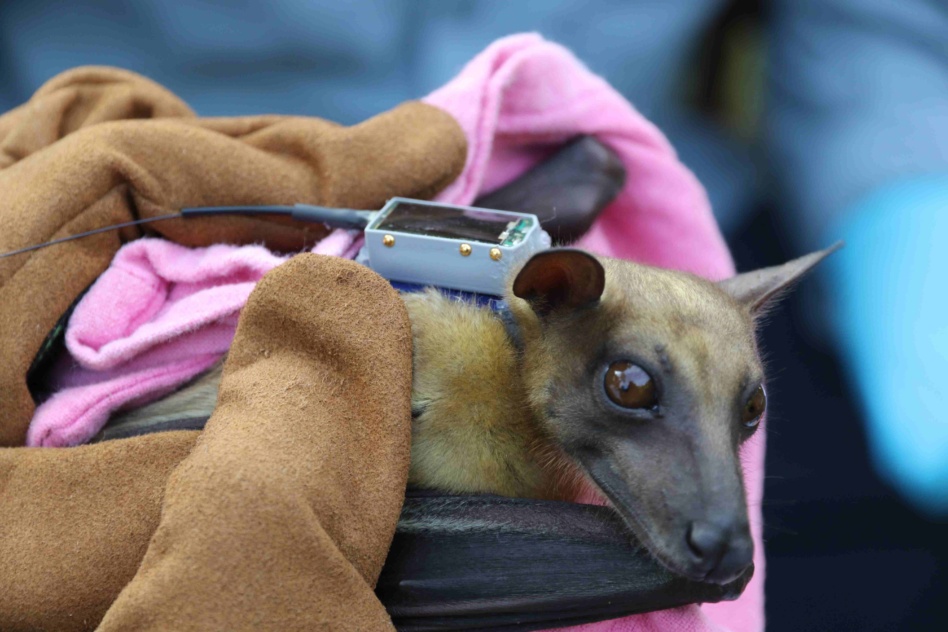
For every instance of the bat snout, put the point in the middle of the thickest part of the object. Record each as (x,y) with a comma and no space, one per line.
(720,550)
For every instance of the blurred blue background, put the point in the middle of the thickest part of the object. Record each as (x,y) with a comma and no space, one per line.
(808,121)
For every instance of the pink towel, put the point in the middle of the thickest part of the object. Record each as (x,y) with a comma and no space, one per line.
(524,93)
(160,315)
(518,98)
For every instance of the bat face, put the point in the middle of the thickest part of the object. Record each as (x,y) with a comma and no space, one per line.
(662,386)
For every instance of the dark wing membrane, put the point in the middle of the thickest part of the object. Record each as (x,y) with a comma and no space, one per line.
(508,564)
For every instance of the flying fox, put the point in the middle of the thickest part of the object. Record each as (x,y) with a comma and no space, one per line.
(639,382)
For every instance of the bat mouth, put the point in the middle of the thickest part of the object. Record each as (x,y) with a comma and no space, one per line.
(636,527)
(620,499)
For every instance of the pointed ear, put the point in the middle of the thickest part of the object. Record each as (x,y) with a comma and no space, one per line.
(560,278)
(756,288)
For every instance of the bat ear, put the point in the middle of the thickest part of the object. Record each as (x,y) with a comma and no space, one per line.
(757,288)
(560,278)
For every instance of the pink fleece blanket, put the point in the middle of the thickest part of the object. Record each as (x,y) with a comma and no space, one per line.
(160,315)
(521,94)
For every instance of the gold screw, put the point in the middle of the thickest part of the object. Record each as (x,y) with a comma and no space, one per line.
(388,240)
(465,249)
(496,254)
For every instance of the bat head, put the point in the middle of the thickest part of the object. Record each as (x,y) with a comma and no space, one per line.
(663,386)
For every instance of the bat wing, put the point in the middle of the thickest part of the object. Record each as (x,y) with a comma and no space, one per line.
(508,564)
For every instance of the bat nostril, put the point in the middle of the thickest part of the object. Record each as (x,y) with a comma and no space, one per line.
(721,552)
(707,541)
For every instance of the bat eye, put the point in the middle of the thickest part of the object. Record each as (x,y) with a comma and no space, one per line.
(754,408)
(630,386)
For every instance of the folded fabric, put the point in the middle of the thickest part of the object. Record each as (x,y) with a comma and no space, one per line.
(159,315)
(97,146)
(523,95)
(278,516)
(282,515)
(328,477)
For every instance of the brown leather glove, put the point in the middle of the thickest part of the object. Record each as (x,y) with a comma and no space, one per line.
(277,517)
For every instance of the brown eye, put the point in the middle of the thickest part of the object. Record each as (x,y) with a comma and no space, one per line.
(754,408)
(629,386)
